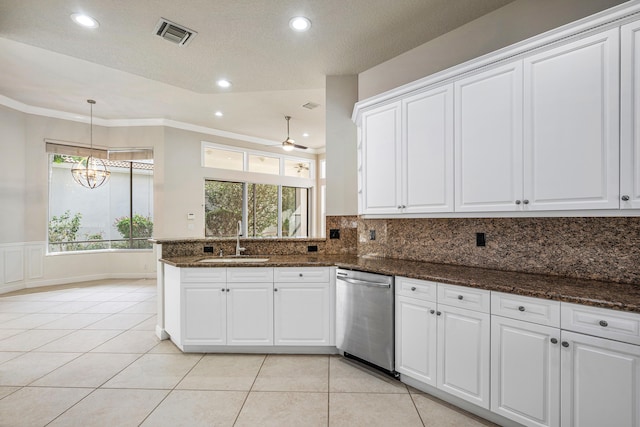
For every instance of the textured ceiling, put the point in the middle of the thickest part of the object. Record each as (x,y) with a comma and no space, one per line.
(50,62)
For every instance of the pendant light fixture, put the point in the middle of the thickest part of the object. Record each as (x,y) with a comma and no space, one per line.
(289,144)
(90,172)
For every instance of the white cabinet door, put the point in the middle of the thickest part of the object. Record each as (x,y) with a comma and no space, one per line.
(381,135)
(571,118)
(525,372)
(302,314)
(427,152)
(416,339)
(630,117)
(204,314)
(250,314)
(600,382)
(488,140)
(464,353)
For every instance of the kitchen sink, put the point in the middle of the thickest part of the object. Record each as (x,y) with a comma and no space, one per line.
(233,260)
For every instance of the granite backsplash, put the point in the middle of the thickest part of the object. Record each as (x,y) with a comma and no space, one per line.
(601,248)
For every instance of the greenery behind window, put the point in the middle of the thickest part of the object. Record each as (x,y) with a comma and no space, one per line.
(93,219)
(225,202)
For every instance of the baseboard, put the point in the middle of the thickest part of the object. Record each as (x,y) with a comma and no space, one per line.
(77,279)
(456,401)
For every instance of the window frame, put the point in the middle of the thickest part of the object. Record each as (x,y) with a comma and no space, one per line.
(247,177)
(138,155)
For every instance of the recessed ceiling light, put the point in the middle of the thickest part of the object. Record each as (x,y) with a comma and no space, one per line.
(84,20)
(224,83)
(218,114)
(300,23)
(306,135)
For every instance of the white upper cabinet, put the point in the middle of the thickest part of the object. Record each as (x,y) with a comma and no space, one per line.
(381,136)
(488,140)
(571,125)
(407,155)
(427,152)
(630,117)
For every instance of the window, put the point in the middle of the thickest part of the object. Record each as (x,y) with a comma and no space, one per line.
(223,159)
(264,164)
(260,207)
(117,215)
(270,193)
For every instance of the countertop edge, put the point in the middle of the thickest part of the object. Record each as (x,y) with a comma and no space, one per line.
(578,291)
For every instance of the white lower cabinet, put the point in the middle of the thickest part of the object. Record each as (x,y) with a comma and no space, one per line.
(302,314)
(416,334)
(600,382)
(243,307)
(443,345)
(463,354)
(250,313)
(205,323)
(525,372)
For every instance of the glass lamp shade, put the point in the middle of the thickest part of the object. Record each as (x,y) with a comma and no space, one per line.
(288,145)
(90,172)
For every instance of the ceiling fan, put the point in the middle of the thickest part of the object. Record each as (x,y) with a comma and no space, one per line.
(289,144)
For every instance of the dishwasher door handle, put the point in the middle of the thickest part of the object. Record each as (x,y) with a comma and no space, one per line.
(364,283)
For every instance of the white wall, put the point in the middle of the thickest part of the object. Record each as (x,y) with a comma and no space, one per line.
(24,203)
(512,23)
(341,134)
(12,176)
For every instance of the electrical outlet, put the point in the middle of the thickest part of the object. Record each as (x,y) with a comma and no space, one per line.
(312,248)
(372,234)
(481,239)
(208,249)
(334,233)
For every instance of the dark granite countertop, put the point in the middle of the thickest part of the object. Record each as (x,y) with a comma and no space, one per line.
(611,295)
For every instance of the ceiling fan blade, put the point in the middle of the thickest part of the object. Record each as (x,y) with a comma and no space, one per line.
(301,147)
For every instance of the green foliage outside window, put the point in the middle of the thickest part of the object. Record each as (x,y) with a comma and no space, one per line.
(142,227)
(63,230)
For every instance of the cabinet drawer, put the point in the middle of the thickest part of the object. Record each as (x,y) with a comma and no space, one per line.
(536,310)
(601,322)
(250,275)
(203,275)
(302,274)
(414,288)
(463,297)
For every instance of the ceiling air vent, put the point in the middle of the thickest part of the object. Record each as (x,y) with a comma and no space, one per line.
(311,105)
(173,32)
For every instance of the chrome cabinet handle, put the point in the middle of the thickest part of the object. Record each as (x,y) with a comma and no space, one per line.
(517,202)
(413,288)
(521,308)
(275,289)
(439,313)
(432,311)
(301,275)
(460,297)
(603,323)
(565,344)
(625,198)
(554,341)
(525,201)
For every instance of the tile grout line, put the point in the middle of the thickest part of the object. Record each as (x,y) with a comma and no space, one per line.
(172,389)
(416,406)
(264,359)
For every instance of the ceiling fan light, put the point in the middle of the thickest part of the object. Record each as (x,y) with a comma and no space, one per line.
(288,145)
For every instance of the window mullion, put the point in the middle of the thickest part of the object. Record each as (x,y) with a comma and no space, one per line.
(279,210)
(245,210)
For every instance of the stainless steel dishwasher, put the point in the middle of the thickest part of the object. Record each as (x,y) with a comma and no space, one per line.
(365,317)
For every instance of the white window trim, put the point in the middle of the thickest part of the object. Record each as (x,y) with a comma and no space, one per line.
(245,162)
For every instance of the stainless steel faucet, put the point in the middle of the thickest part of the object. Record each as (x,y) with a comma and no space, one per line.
(239,250)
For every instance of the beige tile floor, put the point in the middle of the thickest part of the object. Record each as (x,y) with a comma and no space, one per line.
(87,355)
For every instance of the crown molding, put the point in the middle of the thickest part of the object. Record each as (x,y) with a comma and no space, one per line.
(63,115)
